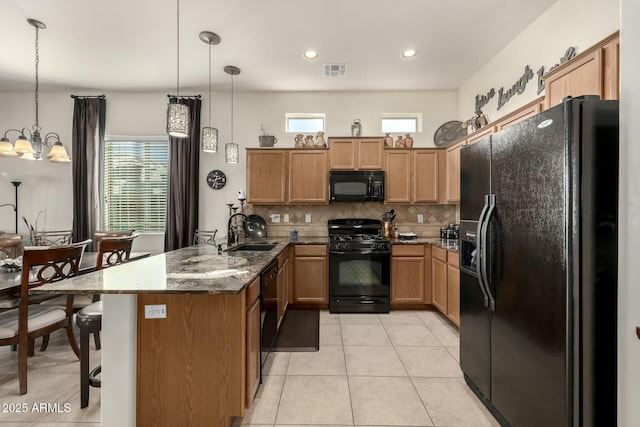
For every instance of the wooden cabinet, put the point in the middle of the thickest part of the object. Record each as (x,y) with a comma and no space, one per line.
(452,194)
(481,134)
(453,287)
(429,176)
(356,153)
(308,176)
(253,340)
(283,284)
(439,278)
(399,177)
(310,279)
(266,176)
(408,274)
(593,72)
(531,109)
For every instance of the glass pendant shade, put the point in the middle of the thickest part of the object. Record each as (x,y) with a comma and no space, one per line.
(27,156)
(57,150)
(23,146)
(6,148)
(209,140)
(177,120)
(231,153)
(60,159)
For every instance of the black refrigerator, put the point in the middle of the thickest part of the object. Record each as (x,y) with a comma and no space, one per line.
(538,262)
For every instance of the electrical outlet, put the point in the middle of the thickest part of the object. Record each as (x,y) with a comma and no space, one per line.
(275,218)
(286,218)
(157,311)
(307,217)
(420,218)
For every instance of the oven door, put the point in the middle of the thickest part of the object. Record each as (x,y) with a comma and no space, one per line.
(359,274)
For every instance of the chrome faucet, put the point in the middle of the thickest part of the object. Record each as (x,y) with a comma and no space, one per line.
(232,235)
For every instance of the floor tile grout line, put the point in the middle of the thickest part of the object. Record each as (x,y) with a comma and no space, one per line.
(346,369)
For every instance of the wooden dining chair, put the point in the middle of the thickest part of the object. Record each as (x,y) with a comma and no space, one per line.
(205,237)
(101,234)
(10,246)
(113,251)
(29,321)
(52,238)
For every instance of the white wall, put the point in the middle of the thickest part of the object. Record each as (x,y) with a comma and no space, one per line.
(47,186)
(629,291)
(577,23)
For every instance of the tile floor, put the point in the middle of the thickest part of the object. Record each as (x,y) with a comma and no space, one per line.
(397,369)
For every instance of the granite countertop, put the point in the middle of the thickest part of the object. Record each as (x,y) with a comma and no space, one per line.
(450,245)
(193,270)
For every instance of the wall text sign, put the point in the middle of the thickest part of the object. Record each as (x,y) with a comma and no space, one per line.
(519,86)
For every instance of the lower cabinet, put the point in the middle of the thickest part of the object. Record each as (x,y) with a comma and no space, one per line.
(253,340)
(311,271)
(453,288)
(408,274)
(439,278)
(445,267)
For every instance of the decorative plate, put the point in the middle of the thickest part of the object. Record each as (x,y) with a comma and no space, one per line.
(216,179)
(449,132)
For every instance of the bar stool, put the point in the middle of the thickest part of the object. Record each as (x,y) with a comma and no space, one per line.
(112,251)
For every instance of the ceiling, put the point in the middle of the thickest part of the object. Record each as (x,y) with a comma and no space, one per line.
(131,45)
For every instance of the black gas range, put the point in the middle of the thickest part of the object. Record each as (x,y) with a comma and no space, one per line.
(359,266)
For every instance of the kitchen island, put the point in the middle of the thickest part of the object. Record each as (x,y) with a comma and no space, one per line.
(175,335)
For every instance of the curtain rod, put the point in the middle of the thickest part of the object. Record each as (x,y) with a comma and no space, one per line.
(184,96)
(90,96)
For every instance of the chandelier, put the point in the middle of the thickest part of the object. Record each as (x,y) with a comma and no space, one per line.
(30,148)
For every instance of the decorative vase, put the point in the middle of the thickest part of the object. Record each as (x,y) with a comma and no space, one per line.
(299,141)
(320,140)
(408,141)
(308,141)
(388,141)
(400,143)
(356,128)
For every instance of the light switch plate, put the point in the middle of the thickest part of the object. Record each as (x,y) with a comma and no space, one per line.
(156,311)
(420,219)
(275,218)
(307,217)
(286,218)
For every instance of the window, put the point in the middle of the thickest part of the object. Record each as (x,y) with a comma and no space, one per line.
(401,122)
(135,184)
(304,123)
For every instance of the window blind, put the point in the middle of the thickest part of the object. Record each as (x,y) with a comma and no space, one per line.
(135,185)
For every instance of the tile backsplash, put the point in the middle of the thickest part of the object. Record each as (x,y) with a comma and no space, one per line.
(435,216)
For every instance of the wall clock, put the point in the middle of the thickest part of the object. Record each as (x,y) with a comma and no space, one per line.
(216,179)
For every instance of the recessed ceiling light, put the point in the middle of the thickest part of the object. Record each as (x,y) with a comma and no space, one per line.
(310,54)
(409,53)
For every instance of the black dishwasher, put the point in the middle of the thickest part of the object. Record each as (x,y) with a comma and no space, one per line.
(269,309)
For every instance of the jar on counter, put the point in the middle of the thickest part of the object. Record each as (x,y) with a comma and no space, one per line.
(293,235)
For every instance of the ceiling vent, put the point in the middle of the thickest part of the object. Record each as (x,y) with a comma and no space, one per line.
(335,70)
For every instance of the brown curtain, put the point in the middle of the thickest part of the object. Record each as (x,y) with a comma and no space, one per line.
(182,203)
(86,156)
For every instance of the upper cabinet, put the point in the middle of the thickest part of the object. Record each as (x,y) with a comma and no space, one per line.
(452,191)
(266,176)
(529,110)
(429,178)
(287,176)
(308,176)
(593,72)
(356,153)
(398,176)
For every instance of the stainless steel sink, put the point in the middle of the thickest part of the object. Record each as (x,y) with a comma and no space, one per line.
(260,247)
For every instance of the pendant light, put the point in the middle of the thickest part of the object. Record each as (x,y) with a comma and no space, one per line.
(209,134)
(177,114)
(231,150)
(32,149)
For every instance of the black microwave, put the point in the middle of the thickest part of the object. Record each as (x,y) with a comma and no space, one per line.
(356,186)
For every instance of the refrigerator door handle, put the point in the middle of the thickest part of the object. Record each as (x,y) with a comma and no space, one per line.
(484,255)
(479,245)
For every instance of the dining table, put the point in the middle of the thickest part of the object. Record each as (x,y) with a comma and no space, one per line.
(10,280)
